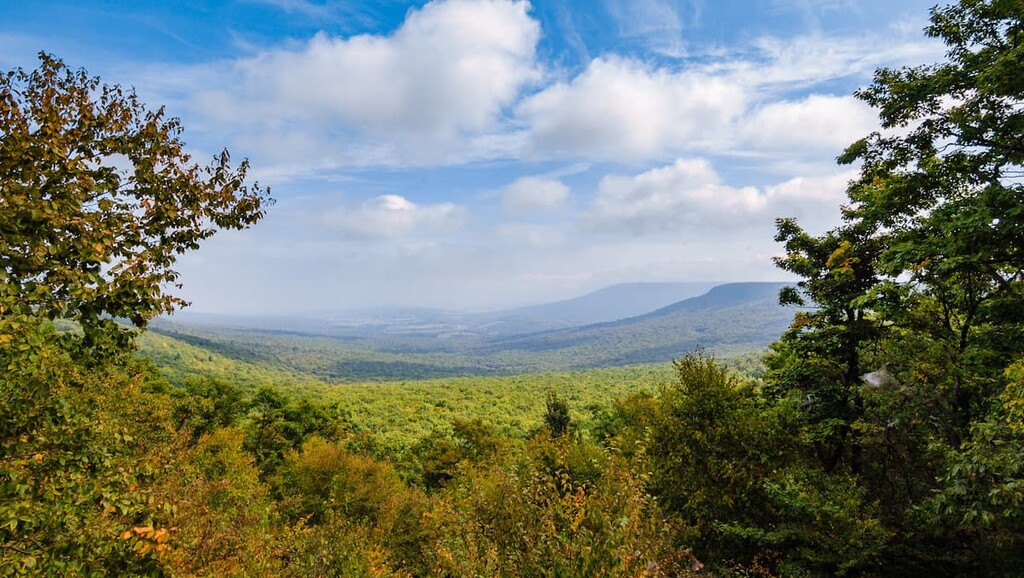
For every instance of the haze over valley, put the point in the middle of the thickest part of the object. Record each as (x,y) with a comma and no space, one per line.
(618,325)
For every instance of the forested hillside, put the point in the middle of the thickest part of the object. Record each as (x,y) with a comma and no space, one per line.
(607,304)
(884,438)
(732,320)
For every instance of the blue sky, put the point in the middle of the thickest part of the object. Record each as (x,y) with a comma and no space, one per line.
(485,153)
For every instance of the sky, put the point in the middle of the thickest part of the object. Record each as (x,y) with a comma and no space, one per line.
(481,154)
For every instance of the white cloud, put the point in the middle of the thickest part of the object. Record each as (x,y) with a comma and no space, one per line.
(446,74)
(659,25)
(685,193)
(814,200)
(623,109)
(828,189)
(644,17)
(786,64)
(818,121)
(689,198)
(393,216)
(528,194)
(619,108)
(459,82)
(305,7)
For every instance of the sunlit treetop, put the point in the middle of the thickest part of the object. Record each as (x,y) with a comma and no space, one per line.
(98,198)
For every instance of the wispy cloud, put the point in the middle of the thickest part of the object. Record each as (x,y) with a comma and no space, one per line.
(305,7)
(532,194)
(393,216)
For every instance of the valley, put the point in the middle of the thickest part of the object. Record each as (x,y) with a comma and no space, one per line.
(399,383)
(729,320)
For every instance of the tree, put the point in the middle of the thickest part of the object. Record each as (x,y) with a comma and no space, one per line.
(278,423)
(946,192)
(98,198)
(441,455)
(938,212)
(556,415)
(982,494)
(820,356)
(72,476)
(727,464)
(710,450)
(206,404)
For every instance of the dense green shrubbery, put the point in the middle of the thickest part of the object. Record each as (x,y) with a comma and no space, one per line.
(69,458)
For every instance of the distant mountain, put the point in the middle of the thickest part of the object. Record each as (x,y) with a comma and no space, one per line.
(728,319)
(608,304)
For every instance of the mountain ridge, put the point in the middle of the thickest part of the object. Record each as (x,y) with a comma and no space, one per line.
(609,303)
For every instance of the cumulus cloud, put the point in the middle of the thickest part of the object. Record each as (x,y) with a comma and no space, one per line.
(684,193)
(818,121)
(689,196)
(530,194)
(815,200)
(393,216)
(827,189)
(618,108)
(459,81)
(623,108)
(445,74)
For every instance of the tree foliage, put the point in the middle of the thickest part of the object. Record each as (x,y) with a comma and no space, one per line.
(71,463)
(556,415)
(98,198)
(917,300)
(944,192)
(822,358)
